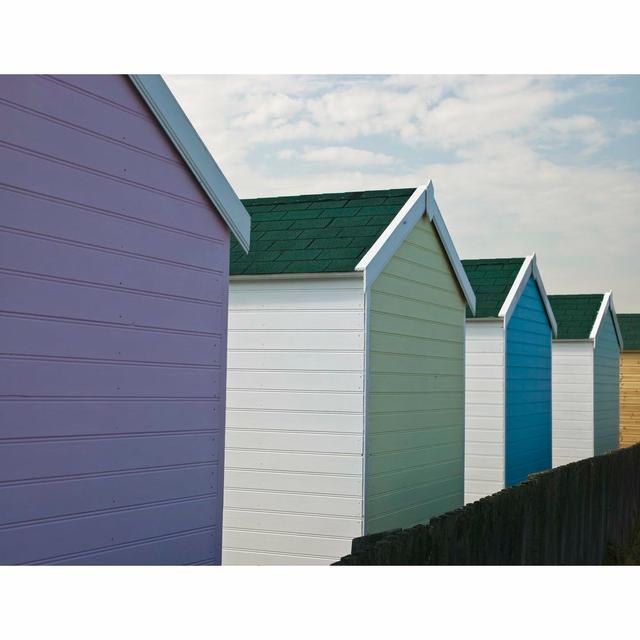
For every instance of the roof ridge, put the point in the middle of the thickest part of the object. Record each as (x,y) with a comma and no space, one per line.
(329,194)
(511,258)
(576,295)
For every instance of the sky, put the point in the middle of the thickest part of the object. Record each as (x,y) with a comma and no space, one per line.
(520,164)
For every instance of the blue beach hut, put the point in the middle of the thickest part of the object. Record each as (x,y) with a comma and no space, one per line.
(507,375)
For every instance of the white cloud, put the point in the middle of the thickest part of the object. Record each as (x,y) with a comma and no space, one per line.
(581,221)
(354,111)
(285,154)
(482,108)
(583,129)
(487,142)
(271,109)
(629,128)
(341,156)
(450,112)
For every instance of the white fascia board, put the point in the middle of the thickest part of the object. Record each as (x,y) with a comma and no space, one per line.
(433,211)
(605,306)
(545,298)
(343,275)
(496,321)
(375,260)
(615,321)
(190,146)
(520,282)
(529,268)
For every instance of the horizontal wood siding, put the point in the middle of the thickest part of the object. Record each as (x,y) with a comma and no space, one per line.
(629,398)
(606,388)
(484,410)
(294,452)
(572,375)
(415,405)
(528,388)
(113,290)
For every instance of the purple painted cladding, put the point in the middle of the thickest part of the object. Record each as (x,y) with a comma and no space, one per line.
(113,309)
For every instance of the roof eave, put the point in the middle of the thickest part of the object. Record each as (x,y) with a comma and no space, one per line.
(304,275)
(194,152)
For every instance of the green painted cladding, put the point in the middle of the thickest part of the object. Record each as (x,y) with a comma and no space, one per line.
(415,393)
(606,388)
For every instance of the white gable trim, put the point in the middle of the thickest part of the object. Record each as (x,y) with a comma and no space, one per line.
(435,216)
(606,305)
(529,268)
(186,140)
(421,201)
(375,260)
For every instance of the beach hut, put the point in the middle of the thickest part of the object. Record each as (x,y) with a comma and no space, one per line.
(345,397)
(630,379)
(586,364)
(508,375)
(114,256)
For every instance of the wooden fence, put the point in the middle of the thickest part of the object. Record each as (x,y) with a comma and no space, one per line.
(568,515)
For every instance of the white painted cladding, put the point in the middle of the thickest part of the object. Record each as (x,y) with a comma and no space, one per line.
(572,375)
(484,409)
(295,422)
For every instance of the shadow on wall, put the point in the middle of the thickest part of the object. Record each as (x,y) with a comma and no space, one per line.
(566,516)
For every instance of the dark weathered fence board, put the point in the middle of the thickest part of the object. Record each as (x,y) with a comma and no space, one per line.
(564,516)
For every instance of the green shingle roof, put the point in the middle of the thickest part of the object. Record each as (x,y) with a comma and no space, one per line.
(630,329)
(575,314)
(327,232)
(491,279)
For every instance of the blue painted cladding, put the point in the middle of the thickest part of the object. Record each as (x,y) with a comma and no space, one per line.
(606,388)
(113,324)
(528,388)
